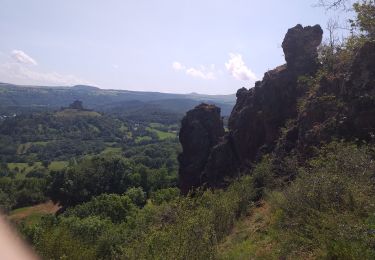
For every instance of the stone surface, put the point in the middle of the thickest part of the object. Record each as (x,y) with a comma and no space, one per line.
(254,124)
(342,108)
(281,115)
(201,129)
(300,47)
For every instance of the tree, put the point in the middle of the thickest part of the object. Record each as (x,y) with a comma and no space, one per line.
(164,195)
(137,196)
(335,4)
(365,20)
(45,163)
(77,104)
(365,14)
(111,206)
(92,177)
(7,201)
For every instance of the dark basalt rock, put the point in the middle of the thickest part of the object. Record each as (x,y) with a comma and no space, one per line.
(260,112)
(201,129)
(300,45)
(282,115)
(342,108)
(254,124)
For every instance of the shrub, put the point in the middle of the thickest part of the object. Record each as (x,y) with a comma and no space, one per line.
(325,211)
(112,206)
(137,196)
(189,227)
(164,195)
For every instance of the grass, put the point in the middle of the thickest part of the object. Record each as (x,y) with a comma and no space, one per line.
(32,214)
(140,139)
(23,148)
(162,135)
(75,112)
(252,237)
(124,128)
(57,165)
(111,151)
(20,166)
(110,143)
(25,168)
(156,125)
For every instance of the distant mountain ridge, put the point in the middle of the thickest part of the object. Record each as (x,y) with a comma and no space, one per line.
(12,95)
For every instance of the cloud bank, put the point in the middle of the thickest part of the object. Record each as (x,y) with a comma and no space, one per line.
(177,66)
(22,57)
(202,72)
(20,68)
(235,66)
(238,69)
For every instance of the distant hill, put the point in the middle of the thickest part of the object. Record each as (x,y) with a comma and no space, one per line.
(106,100)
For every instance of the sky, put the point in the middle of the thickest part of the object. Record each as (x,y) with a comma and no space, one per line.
(176,46)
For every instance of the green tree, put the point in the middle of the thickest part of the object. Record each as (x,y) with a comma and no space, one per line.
(112,206)
(137,196)
(92,177)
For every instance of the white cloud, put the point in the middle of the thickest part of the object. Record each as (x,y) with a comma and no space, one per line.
(202,72)
(115,66)
(177,66)
(22,57)
(238,69)
(18,71)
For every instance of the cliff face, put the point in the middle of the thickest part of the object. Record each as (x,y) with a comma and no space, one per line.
(201,130)
(341,107)
(338,107)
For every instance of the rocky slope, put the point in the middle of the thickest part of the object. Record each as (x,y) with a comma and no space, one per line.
(283,114)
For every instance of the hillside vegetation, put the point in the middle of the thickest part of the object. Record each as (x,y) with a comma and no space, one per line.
(292,176)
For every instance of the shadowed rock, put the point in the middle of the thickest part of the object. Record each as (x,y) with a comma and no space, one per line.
(201,129)
(342,108)
(300,47)
(339,106)
(254,124)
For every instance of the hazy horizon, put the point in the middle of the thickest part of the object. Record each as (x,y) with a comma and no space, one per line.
(210,47)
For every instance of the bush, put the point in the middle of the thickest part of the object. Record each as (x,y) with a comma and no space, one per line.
(92,177)
(87,229)
(111,206)
(59,243)
(325,212)
(164,195)
(189,227)
(137,196)
(7,202)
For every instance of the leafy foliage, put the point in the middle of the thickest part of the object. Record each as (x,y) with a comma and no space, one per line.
(327,210)
(112,227)
(114,207)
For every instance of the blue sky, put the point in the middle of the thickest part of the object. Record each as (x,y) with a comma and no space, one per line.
(204,46)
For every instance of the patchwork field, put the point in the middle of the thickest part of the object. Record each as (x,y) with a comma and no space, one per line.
(33,214)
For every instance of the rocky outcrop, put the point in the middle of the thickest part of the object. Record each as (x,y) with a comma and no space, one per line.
(254,124)
(299,48)
(341,108)
(289,113)
(201,129)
